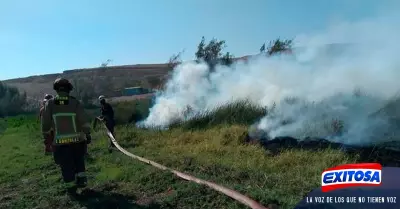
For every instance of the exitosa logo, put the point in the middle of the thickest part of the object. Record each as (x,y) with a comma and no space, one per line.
(351,175)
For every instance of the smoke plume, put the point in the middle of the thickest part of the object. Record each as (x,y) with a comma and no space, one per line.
(334,85)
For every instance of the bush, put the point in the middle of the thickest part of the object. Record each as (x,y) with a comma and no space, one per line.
(28,120)
(12,102)
(239,113)
(131,111)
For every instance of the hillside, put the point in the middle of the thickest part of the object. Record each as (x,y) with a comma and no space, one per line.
(102,80)
(95,81)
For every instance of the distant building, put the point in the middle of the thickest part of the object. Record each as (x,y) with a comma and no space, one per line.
(138,90)
(131,91)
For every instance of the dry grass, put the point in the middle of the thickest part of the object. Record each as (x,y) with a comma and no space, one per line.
(129,98)
(217,154)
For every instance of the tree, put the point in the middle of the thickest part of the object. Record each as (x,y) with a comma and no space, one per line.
(212,52)
(12,102)
(277,46)
(106,63)
(200,54)
(227,59)
(175,59)
(262,49)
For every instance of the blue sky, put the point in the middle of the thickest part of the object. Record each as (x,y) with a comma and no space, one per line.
(49,36)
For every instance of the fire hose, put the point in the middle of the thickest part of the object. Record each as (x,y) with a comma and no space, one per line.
(229,192)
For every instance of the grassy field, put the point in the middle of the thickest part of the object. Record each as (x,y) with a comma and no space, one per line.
(215,151)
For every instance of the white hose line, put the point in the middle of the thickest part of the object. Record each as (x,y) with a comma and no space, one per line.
(229,192)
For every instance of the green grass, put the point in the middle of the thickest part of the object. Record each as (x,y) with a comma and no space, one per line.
(215,152)
(238,112)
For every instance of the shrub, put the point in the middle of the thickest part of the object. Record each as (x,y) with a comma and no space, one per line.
(12,102)
(238,112)
(131,111)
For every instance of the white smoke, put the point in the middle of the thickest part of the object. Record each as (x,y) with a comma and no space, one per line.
(322,82)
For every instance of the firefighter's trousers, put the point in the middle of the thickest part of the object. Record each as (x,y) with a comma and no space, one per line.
(71,159)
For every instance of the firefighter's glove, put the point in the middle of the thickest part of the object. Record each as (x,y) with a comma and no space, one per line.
(88,138)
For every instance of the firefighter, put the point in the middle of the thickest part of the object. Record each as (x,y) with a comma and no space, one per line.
(107,115)
(65,115)
(45,99)
(48,141)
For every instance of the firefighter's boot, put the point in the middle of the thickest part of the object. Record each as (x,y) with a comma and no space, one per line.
(70,188)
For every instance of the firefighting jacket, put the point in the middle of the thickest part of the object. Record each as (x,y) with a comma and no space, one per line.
(65,116)
(107,112)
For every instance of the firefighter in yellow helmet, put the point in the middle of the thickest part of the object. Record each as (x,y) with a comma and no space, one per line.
(65,115)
